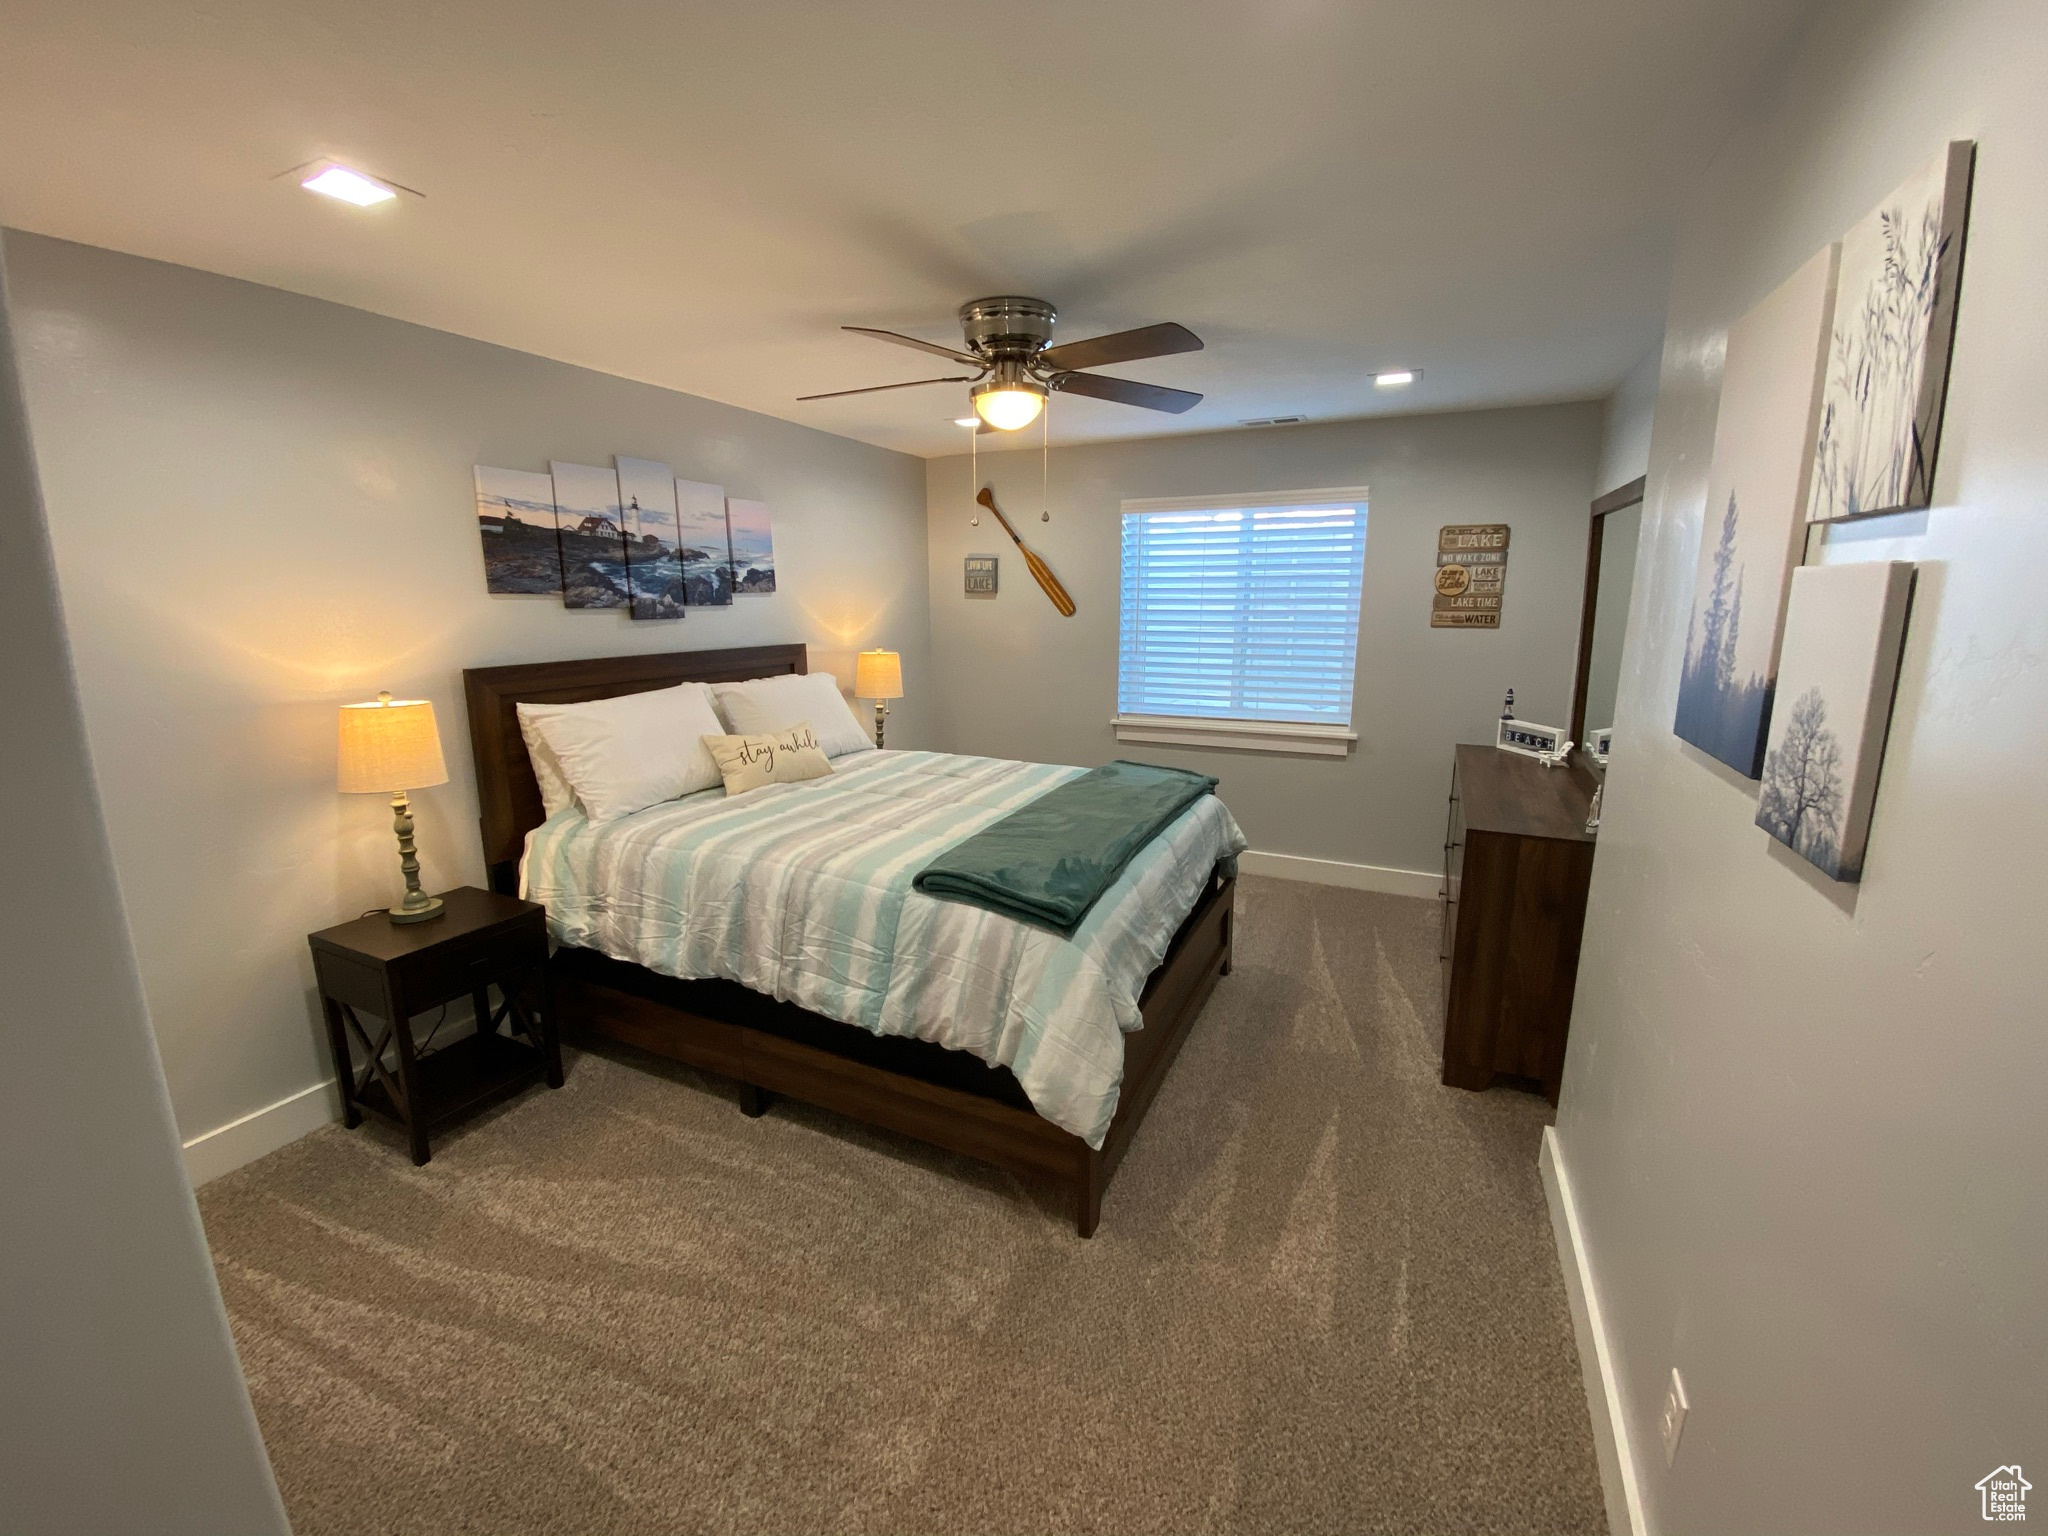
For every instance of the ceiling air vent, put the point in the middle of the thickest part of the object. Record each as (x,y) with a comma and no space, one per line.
(1273,421)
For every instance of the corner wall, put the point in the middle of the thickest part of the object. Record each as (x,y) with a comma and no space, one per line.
(262,507)
(122,1406)
(1804,1122)
(1017,680)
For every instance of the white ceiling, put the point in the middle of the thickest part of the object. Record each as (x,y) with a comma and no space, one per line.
(699,195)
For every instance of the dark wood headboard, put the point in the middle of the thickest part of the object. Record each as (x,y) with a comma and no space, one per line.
(507,794)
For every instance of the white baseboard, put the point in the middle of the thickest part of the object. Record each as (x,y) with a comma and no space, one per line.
(1618,1480)
(244,1140)
(1355,877)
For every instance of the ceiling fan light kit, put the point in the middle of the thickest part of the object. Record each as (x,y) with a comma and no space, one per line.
(1007,340)
(1009,400)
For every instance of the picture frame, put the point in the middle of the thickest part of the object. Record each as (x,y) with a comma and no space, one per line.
(1844,638)
(1529,739)
(1752,533)
(1879,429)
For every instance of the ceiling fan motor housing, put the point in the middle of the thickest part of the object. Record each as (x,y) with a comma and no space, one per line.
(1007,326)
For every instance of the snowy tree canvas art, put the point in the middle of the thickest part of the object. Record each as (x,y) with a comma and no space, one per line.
(1754,534)
(1888,356)
(1844,630)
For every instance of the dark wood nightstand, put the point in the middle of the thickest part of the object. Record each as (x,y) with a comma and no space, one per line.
(397,970)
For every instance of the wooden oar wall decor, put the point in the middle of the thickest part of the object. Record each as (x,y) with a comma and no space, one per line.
(1040,571)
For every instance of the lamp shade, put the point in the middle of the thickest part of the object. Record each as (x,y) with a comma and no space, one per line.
(878,675)
(389,745)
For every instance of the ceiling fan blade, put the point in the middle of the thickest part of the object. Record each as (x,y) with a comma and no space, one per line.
(1153,397)
(1122,347)
(923,346)
(834,394)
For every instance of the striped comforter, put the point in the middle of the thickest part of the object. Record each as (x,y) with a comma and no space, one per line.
(802,891)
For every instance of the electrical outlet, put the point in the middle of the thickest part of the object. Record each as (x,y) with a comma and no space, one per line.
(1674,1416)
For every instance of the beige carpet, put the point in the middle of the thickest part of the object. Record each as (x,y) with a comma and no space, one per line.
(1324,1297)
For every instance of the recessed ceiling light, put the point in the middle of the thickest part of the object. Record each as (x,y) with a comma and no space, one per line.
(338,181)
(1394,378)
(966,421)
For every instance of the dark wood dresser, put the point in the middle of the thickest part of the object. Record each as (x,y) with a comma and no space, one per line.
(1517,862)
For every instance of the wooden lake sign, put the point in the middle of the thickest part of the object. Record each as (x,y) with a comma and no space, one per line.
(1471,572)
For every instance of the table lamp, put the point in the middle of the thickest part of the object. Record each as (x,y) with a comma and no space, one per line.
(387,748)
(878,675)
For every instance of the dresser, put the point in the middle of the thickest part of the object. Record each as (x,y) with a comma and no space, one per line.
(1517,863)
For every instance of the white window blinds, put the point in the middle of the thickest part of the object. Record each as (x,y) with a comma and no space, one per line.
(1242,610)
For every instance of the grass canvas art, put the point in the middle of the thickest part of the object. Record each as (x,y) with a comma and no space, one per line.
(1754,533)
(1843,633)
(515,518)
(647,516)
(1888,356)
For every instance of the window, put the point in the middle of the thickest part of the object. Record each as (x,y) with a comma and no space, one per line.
(1240,620)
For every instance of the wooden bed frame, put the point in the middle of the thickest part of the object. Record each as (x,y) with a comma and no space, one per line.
(944,1097)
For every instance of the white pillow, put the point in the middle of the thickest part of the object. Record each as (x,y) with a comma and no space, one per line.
(624,754)
(796,698)
(555,793)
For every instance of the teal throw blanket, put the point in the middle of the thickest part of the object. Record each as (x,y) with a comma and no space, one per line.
(1048,862)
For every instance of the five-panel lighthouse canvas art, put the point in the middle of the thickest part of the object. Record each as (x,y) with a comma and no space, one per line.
(631,537)
(1832,391)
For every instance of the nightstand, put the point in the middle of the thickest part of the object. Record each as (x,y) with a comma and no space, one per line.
(398,970)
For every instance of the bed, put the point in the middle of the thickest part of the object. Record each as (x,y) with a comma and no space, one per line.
(771,1044)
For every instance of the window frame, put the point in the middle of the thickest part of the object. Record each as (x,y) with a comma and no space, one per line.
(1229,731)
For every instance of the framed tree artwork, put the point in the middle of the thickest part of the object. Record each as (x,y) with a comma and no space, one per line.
(1754,533)
(1888,356)
(1844,630)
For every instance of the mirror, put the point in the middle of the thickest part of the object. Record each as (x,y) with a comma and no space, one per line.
(1610,573)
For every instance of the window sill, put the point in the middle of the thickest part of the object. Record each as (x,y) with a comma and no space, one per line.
(1236,735)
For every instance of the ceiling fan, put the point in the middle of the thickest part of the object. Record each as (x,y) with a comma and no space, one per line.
(1007,343)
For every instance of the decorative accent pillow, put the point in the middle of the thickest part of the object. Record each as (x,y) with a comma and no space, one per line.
(799,698)
(772,757)
(623,754)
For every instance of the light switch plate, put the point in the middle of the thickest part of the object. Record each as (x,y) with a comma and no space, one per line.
(1675,1406)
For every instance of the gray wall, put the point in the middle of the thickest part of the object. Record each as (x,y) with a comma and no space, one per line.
(262,507)
(1014,679)
(1625,434)
(1804,1122)
(121,1404)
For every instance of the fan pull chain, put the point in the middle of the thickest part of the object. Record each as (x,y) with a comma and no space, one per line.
(1045,463)
(974,471)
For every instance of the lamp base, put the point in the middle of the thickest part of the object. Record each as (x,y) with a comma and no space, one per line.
(417,905)
(432,907)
